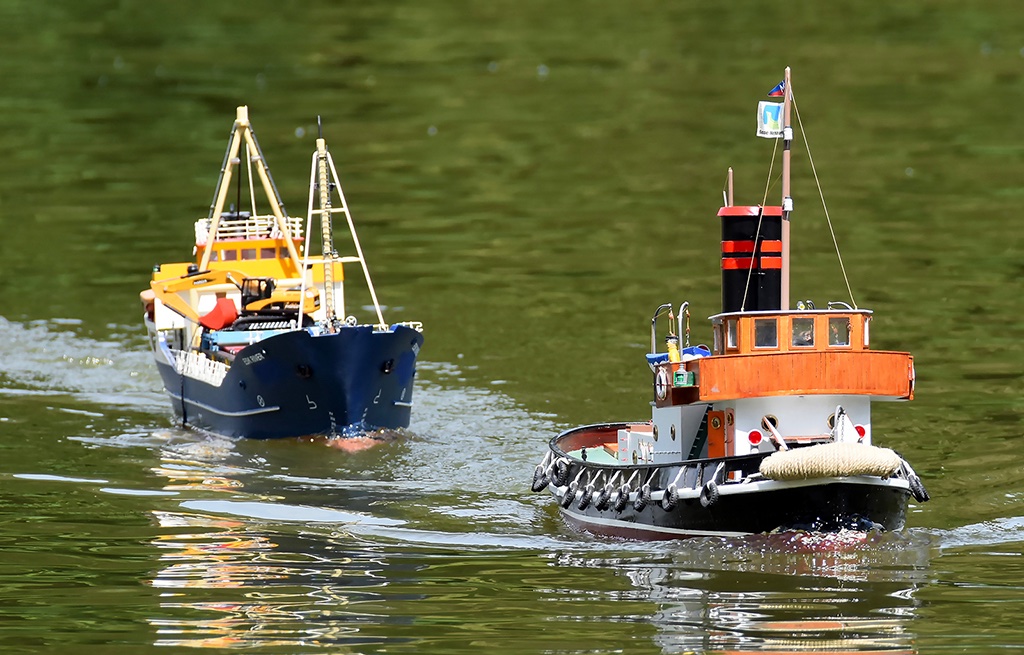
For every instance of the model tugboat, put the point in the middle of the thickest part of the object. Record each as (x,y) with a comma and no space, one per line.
(767,430)
(251,338)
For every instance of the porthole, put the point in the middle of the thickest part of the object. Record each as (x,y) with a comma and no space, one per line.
(716,423)
(831,421)
(655,432)
(673,432)
(769,419)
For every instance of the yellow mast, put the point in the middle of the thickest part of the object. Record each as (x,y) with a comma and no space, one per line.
(242,131)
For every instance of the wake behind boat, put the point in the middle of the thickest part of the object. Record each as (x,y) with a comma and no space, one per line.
(768,430)
(252,339)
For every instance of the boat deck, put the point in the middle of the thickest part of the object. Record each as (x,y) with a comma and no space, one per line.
(605,455)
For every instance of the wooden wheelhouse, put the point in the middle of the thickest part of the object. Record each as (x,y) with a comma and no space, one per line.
(759,354)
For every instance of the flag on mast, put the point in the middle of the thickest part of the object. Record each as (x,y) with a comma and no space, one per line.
(778,91)
(769,119)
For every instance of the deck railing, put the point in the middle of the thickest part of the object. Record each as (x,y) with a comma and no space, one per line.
(246,227)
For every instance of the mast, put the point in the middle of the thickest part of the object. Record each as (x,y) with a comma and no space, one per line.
(326,232)
(242,132)
(320,184)
(787,199)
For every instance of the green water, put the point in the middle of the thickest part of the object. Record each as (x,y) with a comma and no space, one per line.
(530,180)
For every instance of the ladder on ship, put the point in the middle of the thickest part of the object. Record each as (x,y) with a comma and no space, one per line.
(320,185)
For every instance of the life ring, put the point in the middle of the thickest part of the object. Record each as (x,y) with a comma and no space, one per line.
(661,384)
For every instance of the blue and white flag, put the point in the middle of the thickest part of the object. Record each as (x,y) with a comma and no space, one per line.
(778,91)
(769,119)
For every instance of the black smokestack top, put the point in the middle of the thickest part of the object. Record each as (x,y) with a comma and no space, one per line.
(751,258)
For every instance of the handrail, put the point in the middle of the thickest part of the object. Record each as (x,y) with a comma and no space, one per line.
(679,319)
(654,319)
(246,227)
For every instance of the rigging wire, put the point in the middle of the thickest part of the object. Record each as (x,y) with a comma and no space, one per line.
(248,175)
(821,194)
(760,218)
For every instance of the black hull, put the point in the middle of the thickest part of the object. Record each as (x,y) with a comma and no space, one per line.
(826,506)
(294,384)
(717,496)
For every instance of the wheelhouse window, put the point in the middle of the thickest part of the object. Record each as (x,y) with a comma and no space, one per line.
(248,253)
(803,332)
(730,337)
(718,339)
(839,331)
(268,253)
(766,333)
(230,255)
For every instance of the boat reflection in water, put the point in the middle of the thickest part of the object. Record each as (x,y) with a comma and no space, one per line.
(287,581)
(776,595)
(287,588)
(257,561)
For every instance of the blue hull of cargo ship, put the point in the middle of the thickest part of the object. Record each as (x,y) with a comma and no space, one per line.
(296,384)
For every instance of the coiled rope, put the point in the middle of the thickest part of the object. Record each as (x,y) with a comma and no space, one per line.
(830,460)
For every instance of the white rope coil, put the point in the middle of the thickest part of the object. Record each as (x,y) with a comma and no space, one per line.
(830,460)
